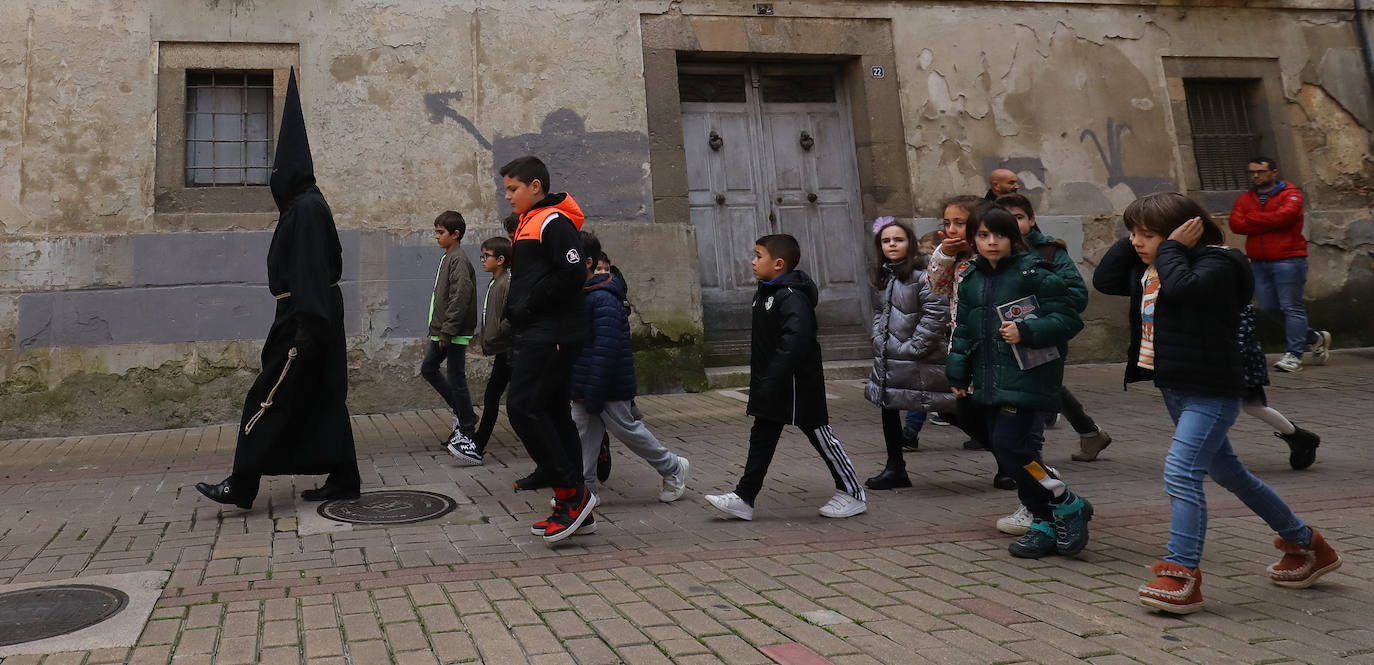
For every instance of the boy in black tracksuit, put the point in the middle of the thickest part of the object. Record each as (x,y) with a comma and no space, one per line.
(786,383)
(547,312)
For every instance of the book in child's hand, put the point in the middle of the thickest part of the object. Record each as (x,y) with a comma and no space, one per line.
(1020,310)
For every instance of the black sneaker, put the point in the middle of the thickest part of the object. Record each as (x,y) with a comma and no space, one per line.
(573,507)
(1302,447)
(1071,515)
(537,480)
(541,527)
(974,444)
(1036,542)
(1004,482)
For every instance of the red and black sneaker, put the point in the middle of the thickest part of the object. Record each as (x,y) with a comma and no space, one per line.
(572,507)
(540,527)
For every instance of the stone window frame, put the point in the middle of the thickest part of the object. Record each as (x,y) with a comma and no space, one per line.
(857,45)
(248,206)
(1267,118)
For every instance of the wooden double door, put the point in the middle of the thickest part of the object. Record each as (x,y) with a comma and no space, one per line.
(770,149)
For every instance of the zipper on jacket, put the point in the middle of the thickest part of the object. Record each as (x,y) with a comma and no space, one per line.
(989,331)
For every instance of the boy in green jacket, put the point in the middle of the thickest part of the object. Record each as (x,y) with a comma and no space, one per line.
(452,320)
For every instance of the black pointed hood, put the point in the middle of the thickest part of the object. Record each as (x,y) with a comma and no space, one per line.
(293,171)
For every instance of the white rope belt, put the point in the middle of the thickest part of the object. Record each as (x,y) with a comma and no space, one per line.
(267,404)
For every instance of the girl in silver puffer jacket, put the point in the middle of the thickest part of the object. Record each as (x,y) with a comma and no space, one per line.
(910,341)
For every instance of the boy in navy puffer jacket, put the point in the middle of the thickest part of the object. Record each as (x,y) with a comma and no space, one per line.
(603,383)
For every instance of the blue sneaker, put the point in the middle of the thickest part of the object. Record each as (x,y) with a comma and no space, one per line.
(1035,543)
(1071,515)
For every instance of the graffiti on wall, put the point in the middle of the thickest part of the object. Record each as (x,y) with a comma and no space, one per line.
(1113,159)
(605,171)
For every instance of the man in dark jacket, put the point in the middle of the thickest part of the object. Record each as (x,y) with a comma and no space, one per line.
(786,382)
(1000,183)
(295,420)
(1269,215)
(547,313)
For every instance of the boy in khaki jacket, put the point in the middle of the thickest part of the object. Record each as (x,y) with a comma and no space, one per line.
(452,321)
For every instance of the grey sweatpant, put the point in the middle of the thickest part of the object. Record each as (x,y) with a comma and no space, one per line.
(618,419)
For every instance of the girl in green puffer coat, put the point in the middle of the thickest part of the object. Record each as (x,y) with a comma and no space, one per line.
(983,364)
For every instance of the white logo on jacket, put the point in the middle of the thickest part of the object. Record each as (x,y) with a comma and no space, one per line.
(573,257)
(768,304)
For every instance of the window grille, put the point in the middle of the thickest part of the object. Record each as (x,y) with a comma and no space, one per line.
(1223,138)
(228,128)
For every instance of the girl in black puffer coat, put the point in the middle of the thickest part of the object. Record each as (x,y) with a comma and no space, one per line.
(910,340)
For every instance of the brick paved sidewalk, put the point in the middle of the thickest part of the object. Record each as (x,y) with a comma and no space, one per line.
(923,577)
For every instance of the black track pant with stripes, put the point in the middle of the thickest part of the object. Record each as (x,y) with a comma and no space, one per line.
(763,442)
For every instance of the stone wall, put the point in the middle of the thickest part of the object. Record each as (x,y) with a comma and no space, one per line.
(129,301)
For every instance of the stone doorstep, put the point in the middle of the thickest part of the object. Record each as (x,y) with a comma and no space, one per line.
(120,630)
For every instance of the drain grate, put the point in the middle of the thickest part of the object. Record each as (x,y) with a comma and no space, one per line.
(389,507)
(42,612)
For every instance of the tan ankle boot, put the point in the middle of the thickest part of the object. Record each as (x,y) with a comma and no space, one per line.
(1090,446)
(1301,566)
(1176,589)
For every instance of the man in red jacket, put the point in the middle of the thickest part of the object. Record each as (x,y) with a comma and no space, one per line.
(1270,216)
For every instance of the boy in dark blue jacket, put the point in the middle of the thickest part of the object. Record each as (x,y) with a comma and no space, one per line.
(786,383)
(603,383)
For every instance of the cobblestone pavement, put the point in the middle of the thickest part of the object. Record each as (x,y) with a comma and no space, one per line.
(922,577)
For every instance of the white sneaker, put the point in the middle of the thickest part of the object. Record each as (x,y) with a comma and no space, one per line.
(1321,351)
(1289,363)
(731,504)
(674,484)
(843,505)
(1016,523)
(463,448)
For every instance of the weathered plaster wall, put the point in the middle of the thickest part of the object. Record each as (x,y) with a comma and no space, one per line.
(1078,103)
(411,105)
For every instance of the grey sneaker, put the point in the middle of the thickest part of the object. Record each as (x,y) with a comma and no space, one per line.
(731,504)
(674,484)
(1289,363)
(1321,349)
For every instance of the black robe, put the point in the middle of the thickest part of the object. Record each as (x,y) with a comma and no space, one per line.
(306,430)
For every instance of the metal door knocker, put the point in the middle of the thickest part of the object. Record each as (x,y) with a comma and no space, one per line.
(806,141)
(715,141)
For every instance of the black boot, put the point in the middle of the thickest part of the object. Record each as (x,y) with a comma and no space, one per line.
(1302,447)
(327,492)
(224,493)
(892,477)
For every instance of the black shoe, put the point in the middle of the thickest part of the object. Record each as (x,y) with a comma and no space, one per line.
(1302,447)
(1004,482)
(911,443)
(327,492)
(603,459)
(892,477)
(223,493)
(974,444)
(1036,542)
(537,480)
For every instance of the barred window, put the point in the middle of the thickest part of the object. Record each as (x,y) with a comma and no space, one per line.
(228,128)
(1223,137)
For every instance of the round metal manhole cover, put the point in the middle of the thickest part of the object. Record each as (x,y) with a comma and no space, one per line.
(42,612)
(389,507)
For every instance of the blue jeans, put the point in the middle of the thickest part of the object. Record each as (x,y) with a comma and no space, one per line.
(1278,288)
(1200,448)
(915,420)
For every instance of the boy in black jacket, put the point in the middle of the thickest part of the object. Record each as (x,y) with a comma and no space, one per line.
(786,384)
(547,313)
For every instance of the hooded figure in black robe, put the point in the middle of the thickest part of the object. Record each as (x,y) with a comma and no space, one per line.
(295,420)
